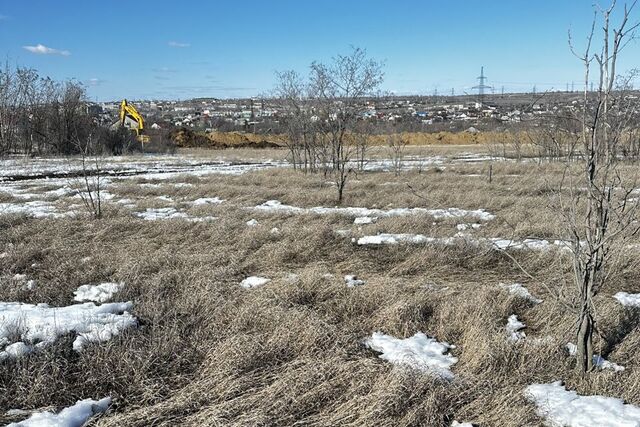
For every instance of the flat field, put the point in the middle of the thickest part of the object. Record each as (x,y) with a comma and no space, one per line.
(424,334)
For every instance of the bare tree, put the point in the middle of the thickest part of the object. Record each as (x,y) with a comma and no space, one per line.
(89,182)
(339,89)
(598,212)
(397,145)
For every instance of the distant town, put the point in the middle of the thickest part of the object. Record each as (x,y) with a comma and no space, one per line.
(417,113)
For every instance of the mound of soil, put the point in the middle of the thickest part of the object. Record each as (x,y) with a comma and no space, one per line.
(184,137)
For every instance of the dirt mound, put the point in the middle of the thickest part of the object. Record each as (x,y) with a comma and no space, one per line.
(184,137)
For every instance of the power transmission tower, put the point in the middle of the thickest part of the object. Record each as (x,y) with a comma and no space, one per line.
(481,86)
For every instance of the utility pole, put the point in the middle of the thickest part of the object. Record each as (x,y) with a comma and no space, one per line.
(481,85)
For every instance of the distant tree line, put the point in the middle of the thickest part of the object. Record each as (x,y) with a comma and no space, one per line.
(40,116)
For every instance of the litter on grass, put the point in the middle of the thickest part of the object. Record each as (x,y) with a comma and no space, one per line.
(562,407)
(418,352)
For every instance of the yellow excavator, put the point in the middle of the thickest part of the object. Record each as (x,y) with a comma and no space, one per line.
(131,119)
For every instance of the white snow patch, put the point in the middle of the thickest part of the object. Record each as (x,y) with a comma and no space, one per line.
(562,407)
(277,206)
(598,360)
(361,220)
(254,282)
(520,291)
(165,199)
(156,214)
(419,352)
(252,223)
(627,299)
(464,227)
(458,424)
(207,201)
(275,230)
(73,416)
(40,325)
(35,208)
(514,328)
(353,281)
(98,293)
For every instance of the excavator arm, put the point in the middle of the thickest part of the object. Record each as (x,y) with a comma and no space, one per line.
(129,111)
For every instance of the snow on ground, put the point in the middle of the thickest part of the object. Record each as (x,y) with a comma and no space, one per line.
(394,239)
(361,220)
(496,243)
(458,424)
(254,282)
(252,223)
(34,208)
(98,293)
(142,166)
(598,360)
(561,407)
(464,227)
(277,206)
(629,300)
(533,244)
(520,291)
(207,201)
(419,352)
(514,328)
(156,214)
(353,281)
(40,325)
(73,416)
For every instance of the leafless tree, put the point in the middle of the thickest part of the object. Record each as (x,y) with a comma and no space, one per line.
(339,89)
(89,181)
(397,145)
(598,211)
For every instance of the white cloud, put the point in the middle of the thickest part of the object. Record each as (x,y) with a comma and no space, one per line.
(94,81)
(41,49)
(178,44)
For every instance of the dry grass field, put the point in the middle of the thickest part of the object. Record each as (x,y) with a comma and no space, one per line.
(209,352)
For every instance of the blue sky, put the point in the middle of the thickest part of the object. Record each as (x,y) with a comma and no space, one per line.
(178,50)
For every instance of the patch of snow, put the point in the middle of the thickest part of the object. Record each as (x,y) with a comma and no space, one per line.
(419,352)
(275,230)
(97,293)
(252,223)
(157,214)
(394,239)
(35,208)
(598,360)
(254,282)
(533,244)
(41,325)
(353,281)
(464,227)
(72,416)
(562,407)
(165,199)
(514,328)
(520,291)
(627,299)
(361,220)
(277,206)
(458,424)
(207,201)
